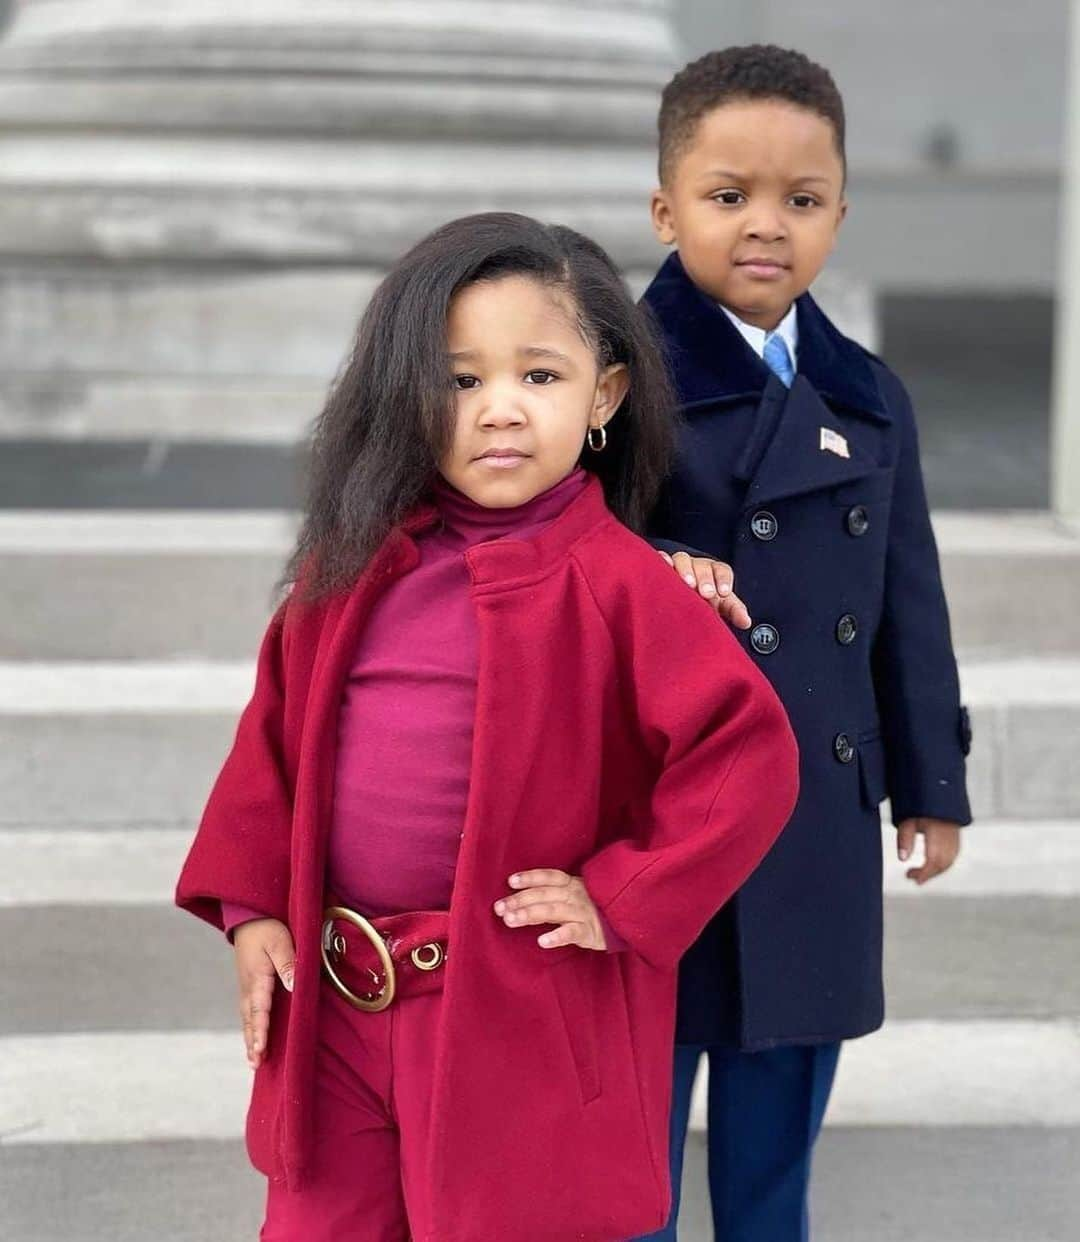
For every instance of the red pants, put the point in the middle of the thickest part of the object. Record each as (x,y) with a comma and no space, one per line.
(372,1090)
(373,1083)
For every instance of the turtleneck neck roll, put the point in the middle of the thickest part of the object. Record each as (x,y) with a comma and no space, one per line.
(471,523)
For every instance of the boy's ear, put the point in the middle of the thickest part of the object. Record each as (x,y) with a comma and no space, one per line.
(663,221)
(611,389)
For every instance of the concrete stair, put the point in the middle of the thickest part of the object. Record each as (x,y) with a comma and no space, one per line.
(163,585)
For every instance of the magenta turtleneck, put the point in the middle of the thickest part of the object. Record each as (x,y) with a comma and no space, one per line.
(406,724)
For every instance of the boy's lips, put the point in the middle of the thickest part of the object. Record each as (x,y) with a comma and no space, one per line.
(762,268)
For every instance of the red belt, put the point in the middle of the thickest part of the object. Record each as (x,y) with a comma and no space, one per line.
(371,962)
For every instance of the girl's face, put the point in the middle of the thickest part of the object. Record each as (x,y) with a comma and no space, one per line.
(527,387)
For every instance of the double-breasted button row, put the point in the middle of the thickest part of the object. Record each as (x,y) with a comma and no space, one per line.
(764,638)
(843,748)
(858,521)
(846,629)
(764,526)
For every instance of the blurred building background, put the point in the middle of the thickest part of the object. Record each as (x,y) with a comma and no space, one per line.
(196,199)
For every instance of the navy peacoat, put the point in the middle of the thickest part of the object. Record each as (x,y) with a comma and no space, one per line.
(815,496)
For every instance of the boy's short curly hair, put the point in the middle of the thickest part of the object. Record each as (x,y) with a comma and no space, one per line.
(751,71)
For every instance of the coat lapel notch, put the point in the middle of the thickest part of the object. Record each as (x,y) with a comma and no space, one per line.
(795,460)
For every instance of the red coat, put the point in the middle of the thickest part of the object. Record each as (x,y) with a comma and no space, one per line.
(621,734)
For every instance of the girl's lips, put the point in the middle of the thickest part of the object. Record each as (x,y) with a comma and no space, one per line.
(502,461)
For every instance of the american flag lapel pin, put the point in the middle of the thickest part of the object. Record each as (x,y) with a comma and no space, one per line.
(833,442)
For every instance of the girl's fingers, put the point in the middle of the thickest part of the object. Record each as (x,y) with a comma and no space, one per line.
(735,612)
(567,933)
(544,912)
(682,563)
(529,897)
(539,876)
(723,577)
(255,1006)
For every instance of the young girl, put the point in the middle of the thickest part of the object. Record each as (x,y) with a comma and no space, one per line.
(498,771)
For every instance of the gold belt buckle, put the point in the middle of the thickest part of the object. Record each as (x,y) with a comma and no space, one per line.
(377,1001)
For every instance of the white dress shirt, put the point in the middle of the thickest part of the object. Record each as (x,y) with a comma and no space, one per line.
(787,329)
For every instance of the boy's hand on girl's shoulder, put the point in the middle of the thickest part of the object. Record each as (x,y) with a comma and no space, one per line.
(549,896)
(942,846)
(714,582)
(264,953)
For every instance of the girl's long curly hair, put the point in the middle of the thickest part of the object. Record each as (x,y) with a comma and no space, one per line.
(389,415)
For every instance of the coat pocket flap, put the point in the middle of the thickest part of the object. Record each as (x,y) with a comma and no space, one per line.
(872,771)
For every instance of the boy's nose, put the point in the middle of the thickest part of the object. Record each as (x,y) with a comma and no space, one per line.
(766,227)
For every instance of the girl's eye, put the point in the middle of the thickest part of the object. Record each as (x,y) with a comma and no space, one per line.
(541,377)
(729,198)
(803,200)
(465,381)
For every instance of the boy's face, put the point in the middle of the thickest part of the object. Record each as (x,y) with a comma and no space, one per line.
(754,202)
(527,388)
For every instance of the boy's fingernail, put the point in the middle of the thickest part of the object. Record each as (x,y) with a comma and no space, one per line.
(708,589)
(287,979)
(515,880)
(905,855)
(725,588)
(500,906)
(689,579)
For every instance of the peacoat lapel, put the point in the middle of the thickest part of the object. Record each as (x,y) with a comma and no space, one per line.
(806,451)
(809,434)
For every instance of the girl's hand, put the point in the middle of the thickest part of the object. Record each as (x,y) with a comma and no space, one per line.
(713,581)
(264,952)
(549,896)
(942,846)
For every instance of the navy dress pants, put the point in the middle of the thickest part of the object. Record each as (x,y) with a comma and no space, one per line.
(764,1113)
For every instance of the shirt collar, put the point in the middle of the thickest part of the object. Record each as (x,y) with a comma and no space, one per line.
(787,329)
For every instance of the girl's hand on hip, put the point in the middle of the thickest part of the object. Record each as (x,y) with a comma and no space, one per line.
(549,896)
(264,953)
(714,582)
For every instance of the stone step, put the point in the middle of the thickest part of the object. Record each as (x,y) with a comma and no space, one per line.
(116,742)
(157,585)
(1012,580)
(984,942)
(1001,1184)
(140,742)
(152,967)
(75,864)
(108,1086)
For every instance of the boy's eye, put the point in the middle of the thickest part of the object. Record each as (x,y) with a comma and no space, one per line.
(541,377)
(730,198)
(803,200)
(465,381)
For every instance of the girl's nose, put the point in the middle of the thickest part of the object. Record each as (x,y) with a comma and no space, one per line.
(502,411)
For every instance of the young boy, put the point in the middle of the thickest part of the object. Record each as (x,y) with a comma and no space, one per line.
(799,466)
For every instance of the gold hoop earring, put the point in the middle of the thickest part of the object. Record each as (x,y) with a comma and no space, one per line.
(597,448)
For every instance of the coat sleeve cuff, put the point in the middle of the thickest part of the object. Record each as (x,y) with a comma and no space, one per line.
(232,915)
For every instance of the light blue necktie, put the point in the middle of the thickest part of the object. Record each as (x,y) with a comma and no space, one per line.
(777,358)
